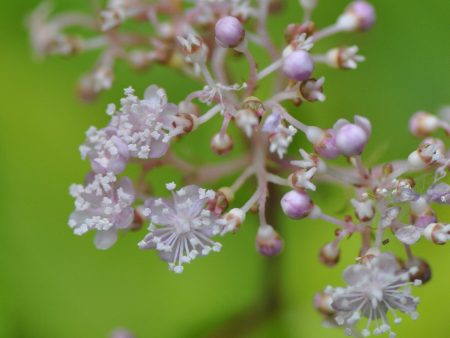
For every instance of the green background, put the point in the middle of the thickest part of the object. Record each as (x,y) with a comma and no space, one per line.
(54,284)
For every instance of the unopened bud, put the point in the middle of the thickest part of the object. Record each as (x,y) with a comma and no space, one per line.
(221,200)
(419,269)
(438,233)
(297,204)
(247,120)
(359,15)
(233,220)
(298,65)
(324,142)
(329,254)
(185,122)
(364,208)
(351,139)
(423,124)
(229,32)
(268,241)
(221,143)
(254,104)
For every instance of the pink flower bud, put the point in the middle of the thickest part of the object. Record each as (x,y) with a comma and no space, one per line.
(329,254)
(296,204)
(221,143)
(324,142)
(422,270)
(268,241)
(229,32)
(438,233)
(423,124)
(359,15)
(298,65)
(351,139)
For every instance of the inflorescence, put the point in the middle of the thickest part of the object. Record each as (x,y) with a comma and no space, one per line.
(196,37)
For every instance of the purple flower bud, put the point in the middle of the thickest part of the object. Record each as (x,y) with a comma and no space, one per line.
(364,14)
(351,139)
(229,32)
(296,204)
(221,143)
(329,254)
(423,221)
(324,142)
(298,65)
(268,241)
(423,124)
(423,272)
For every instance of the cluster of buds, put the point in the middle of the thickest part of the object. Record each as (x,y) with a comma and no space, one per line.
(196,39)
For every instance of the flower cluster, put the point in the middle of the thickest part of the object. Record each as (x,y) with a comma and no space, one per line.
(196,39)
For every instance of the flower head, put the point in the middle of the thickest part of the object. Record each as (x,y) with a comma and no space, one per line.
(181,227)
(146,126)
(102,204)
(374,288)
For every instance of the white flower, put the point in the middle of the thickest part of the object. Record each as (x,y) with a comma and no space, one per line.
(344,58)
(247,120)
(146,126)
(310,161)
(374,288)
(300,42)
(193,48)
(102,204)
(281,139)
(181,227)
(364,208)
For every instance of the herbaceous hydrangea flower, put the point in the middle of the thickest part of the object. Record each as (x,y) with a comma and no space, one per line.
(102,204)
(106,151)
(146,126)
(374,288)
(181,227)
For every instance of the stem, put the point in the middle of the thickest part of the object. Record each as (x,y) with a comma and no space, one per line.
(270,69)
(242,178)
(209,114)
(262,28)
(253,78)
(269,303)
(327,31)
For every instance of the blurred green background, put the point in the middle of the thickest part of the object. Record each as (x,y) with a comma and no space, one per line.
(54,284)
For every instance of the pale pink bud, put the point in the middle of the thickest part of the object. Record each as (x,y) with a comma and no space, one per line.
(268,241)
(297,204)
(229,32)
(298,65)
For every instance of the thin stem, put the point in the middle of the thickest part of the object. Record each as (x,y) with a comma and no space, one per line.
(327,31)
(262,28)
(209,114)
(333,220)
(251,201)
(246,174)
(270,69)
(253,78)
(275,179)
